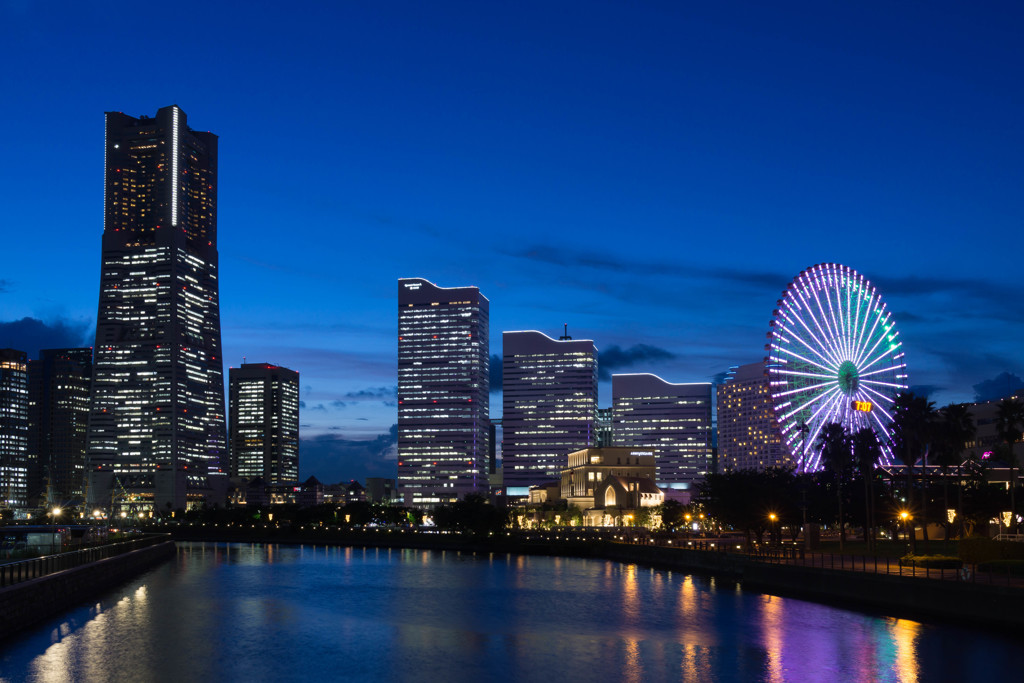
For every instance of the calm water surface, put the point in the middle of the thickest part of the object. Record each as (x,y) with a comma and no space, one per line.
(281,613)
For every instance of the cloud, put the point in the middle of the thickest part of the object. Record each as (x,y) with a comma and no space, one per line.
(615,358)
(5,286)
(549,254)
(925,390)
(332,458)
(495,371)
(373,394)
(1000,386)
(30,335)
(338,404)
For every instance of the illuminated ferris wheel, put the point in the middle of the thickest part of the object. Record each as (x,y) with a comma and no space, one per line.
(834,355)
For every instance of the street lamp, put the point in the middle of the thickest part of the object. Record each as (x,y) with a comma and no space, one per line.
(905,518)
(771,532)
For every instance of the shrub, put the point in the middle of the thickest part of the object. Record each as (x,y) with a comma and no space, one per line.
(932,561)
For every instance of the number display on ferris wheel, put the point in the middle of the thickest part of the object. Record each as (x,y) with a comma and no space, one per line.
(833,350)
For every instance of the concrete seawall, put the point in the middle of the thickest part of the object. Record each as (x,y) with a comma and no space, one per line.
(978,604)
(26,604)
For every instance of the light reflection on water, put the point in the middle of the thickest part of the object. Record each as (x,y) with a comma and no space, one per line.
(255,612)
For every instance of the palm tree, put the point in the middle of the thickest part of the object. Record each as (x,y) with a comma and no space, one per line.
(866,452)
(1009,420)
(955,429)
(834,446)
(912,426)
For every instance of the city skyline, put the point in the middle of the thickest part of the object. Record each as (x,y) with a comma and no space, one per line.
(653,176)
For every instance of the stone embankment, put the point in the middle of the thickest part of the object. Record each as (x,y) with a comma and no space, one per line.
(27,603)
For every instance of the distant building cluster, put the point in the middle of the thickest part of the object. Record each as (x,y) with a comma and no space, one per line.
(139,421)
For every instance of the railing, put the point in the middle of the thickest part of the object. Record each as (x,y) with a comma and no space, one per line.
(790,554)
(1009,537)
(26,570)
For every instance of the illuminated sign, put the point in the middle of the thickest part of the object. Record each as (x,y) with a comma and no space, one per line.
(861,406)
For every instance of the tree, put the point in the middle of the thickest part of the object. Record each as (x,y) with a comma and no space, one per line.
(954,429)
(1009,420)
(672,514)
(834,446)
(913,420)
(866,451)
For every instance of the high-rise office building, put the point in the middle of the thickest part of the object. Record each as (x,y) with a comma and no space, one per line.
(748,435)
(672,420)
(549,406)
(58,387)
(156,420)
(263,405)
(443,392)
(13,428)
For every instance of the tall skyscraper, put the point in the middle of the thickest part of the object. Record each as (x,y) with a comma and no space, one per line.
(673,421)
(549,406)
(58,388)
(263,406)
(13,428)
(156,420)
(443,392)
(748,435)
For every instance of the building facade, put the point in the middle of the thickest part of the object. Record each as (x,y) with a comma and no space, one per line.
(443,392)
(263,405)
(673,421)
(549,406)
(156,420)
(13,428)
(59,386)
(748,435)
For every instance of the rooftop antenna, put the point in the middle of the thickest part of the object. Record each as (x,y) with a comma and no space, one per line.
(565,334)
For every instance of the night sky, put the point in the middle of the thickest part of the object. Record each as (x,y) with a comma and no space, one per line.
(653,174)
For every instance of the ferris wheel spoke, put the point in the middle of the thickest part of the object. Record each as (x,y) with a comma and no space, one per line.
(849,316)
(885,384)
(867,353)
(866,339)
(856,314)
(797,373)
(810,387)
(833,344)
(840,336)
(863,335)
(824,348)
(866,394)
(878,394)
(820,347)
(862,375)
(793,353)
(811,402)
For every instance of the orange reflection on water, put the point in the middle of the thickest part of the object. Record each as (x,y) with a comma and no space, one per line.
(631,595)
(904,635)
(688,598)
(634,668)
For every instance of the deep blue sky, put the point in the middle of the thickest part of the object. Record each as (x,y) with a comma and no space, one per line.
(651,173)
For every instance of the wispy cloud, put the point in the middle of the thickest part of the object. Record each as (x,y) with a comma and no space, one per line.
(617,358)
